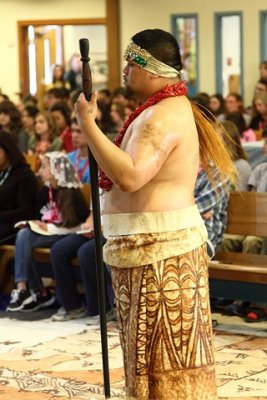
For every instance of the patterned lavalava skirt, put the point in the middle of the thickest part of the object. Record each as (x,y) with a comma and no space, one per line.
(165,328)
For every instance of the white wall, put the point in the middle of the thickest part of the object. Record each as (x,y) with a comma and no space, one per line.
(13,10)
(156,14)
(98,42)
(136,15)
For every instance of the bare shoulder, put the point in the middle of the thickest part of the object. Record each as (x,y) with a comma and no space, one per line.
(168,111)
(170,116)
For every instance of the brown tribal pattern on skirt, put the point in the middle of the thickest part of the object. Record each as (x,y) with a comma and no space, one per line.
(165,328)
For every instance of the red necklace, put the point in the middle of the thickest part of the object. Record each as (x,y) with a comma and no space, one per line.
(179,89)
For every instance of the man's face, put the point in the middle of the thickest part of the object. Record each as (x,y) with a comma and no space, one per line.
(134,78)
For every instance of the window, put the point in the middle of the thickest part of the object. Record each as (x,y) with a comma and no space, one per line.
(263,33)
(184,28)
(228,53)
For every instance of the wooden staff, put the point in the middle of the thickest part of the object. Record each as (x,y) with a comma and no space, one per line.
(87,89)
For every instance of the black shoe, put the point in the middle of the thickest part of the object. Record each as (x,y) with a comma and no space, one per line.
(222,304)
(39,301)
(238,307)
(19,299)
(214,323)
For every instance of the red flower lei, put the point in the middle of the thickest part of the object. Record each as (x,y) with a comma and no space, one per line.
(179,89)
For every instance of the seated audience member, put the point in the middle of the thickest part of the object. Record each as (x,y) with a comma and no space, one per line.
(258,178)
(118,115)
(74,75)
(238,155)
(30,100)
(246,135)
(234,104)
(119,95)
(263,69)
(104,96)
(203,103)
(261,86)
(10,121)
(79,157)
(29,113)
(3,97)
(104,120)
(45,138)
(247,244)
(212,201)
(257,182)
(62,209)
(217,105)
(73,97)
(52,96)
(18,187)
(62,117)
(58,80)
(259,112)
(72,305)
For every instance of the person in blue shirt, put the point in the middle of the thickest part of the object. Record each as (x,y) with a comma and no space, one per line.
(79,157)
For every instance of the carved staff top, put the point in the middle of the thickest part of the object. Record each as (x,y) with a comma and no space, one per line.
(86,71)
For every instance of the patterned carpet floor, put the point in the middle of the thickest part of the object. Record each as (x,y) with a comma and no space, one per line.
(44,360)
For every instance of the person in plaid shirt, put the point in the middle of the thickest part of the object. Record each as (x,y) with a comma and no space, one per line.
(212,202)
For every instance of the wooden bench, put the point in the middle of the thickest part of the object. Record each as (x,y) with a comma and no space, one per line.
(237,275)
(40,255)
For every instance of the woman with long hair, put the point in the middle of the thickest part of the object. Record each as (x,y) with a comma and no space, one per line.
(233,143)
(18,187)
(10,121)
(45,138)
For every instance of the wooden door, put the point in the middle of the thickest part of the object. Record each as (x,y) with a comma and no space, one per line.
(47,43)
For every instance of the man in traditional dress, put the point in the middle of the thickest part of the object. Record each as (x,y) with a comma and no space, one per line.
(156,238)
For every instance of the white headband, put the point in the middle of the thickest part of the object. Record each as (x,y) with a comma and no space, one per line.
(148,62)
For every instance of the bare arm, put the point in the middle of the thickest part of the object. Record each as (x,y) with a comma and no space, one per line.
(150,143)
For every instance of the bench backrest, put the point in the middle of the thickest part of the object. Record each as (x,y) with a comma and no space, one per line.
(247,214)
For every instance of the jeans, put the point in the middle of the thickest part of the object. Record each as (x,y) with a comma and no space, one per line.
(62,253)
(25,269)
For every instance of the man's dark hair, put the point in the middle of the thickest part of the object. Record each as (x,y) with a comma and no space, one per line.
(63,109)
(59,93)
(161,44)
(31,110)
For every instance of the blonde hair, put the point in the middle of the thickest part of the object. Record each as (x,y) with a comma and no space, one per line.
(213,152)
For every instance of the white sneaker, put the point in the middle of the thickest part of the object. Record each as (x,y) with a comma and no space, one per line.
(63,315)
(111,315)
